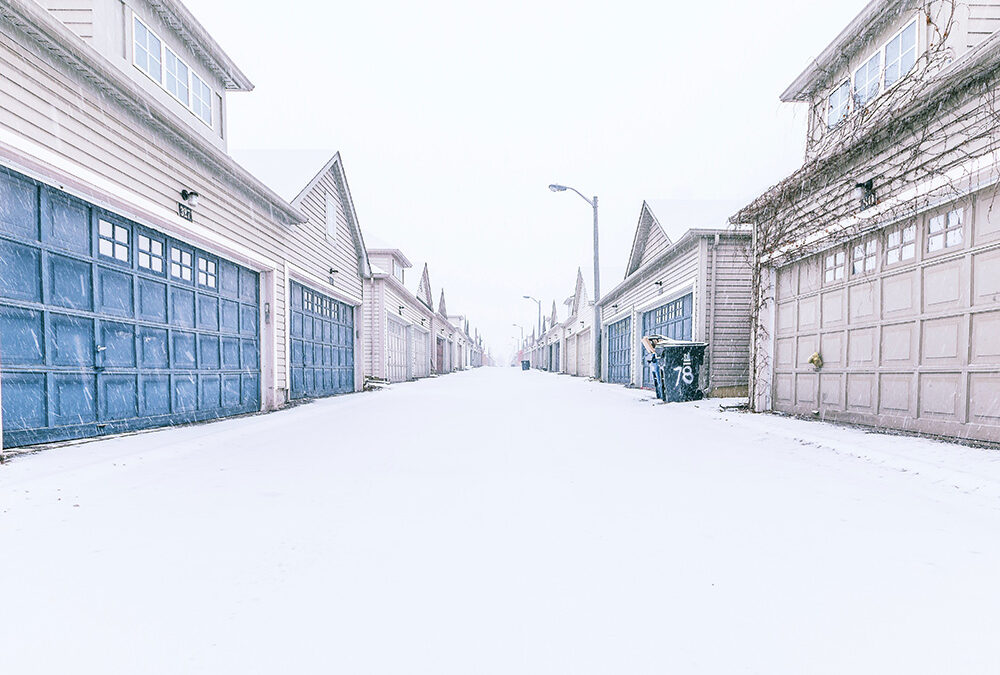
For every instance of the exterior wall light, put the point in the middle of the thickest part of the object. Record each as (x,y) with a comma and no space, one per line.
(865,193)
(190,197)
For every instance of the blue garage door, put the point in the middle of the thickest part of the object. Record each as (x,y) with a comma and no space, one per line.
(620,351)
(108,326)
(674,320)
(322,344)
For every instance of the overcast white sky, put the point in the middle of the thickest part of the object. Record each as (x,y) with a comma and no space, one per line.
(453,117)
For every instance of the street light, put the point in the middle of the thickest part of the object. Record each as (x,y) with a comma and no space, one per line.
(539,303)
(597,278)
(517,325)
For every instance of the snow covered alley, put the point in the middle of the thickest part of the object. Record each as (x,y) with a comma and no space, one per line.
(499,521)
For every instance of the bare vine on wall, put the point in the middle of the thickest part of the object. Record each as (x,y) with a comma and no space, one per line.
(939,117)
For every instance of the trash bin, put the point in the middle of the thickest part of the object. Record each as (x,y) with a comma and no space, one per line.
(525,365)
(676,367)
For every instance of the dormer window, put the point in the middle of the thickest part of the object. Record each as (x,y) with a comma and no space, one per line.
(900,54)
(162,65)
(397,270)
(840,101)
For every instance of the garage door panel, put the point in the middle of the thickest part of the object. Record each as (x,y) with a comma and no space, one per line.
(806,386)
(21,336)
(861,392)
(900,295)
(20,272)
(786,286)
(831,390)
(783,390)
(985,343)
(863,302)
(944,286)
(152,304)
(119,399)
(114,292)
(899,345)
(18,206)
(832,349)
(986,278)
(940,394)
(153,348)
(861,347)
(185,393)
(786,318)
(987,220)
(73,399)
(808,313)
(806,346)
(155,395)
(810,275)
(209,352)
(118,340)
(24,399)
(66,223)
(211,392)
(70,283)
(896,395)
(70,340)
(984,398)
(182,350)
(943,341)
(208,312)
(784,353)
(833,308)
(182,307)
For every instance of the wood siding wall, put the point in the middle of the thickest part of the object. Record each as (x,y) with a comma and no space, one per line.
(983,21)
(78,15)
(726,319)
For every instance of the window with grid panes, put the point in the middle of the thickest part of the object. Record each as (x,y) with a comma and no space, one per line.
(112,240)
(864,257)
(944,231)
(150,254)
(147,50)
(180,264)
(901,244)
(834,266)
(839,104)
(207,275)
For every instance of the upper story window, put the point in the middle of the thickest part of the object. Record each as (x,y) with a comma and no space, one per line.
(840,101)
(866,80)
(177,76)
(167,69)
(944,231)
(397,270)
(900,54)
(147,51)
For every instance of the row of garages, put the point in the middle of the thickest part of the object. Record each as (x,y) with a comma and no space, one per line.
(146,278)
(696,288)
(865,287)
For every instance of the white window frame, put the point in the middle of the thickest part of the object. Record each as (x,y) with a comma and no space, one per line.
(187,80)
(946,231)
(877,82)
(847,104)
(834,266)
(162,82)
(868,258)
(902,245)
(852,104)
(331,217)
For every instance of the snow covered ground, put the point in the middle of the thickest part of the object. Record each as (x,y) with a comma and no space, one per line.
(500,522)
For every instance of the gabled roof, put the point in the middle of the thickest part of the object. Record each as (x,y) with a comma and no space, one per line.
(648,225)
(580,295)
(336,167)
(869,22)
(197,39)
(555,314)
(442,309)
(394,252)
(424,289)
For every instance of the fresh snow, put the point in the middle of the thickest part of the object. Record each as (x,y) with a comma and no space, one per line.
(500,522)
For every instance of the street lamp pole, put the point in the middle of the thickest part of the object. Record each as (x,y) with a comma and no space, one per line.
(597,278)
(539,303)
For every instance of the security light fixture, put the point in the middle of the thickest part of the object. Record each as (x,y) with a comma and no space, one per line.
(658,284)
(865,193)
(401,310)
(190,197)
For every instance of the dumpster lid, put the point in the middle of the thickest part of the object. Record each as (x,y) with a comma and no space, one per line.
(661,341)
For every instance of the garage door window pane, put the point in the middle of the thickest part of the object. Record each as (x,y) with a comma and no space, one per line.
(835,264)
(944,231)
(180,264)
(112,240)
(863,258)
(150,254)
(901,245)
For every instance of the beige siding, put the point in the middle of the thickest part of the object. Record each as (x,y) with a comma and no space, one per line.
(727,312)
(78,15)
(373,330)
(656,243)
(983,21)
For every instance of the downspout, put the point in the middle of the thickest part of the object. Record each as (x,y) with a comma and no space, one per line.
(711,312)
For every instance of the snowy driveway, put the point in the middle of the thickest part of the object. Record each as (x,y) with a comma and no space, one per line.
(501,522)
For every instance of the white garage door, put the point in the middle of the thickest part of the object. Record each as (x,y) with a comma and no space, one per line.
(571,355)
(421,354)
(396,365)
(583,348)
(906,323)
